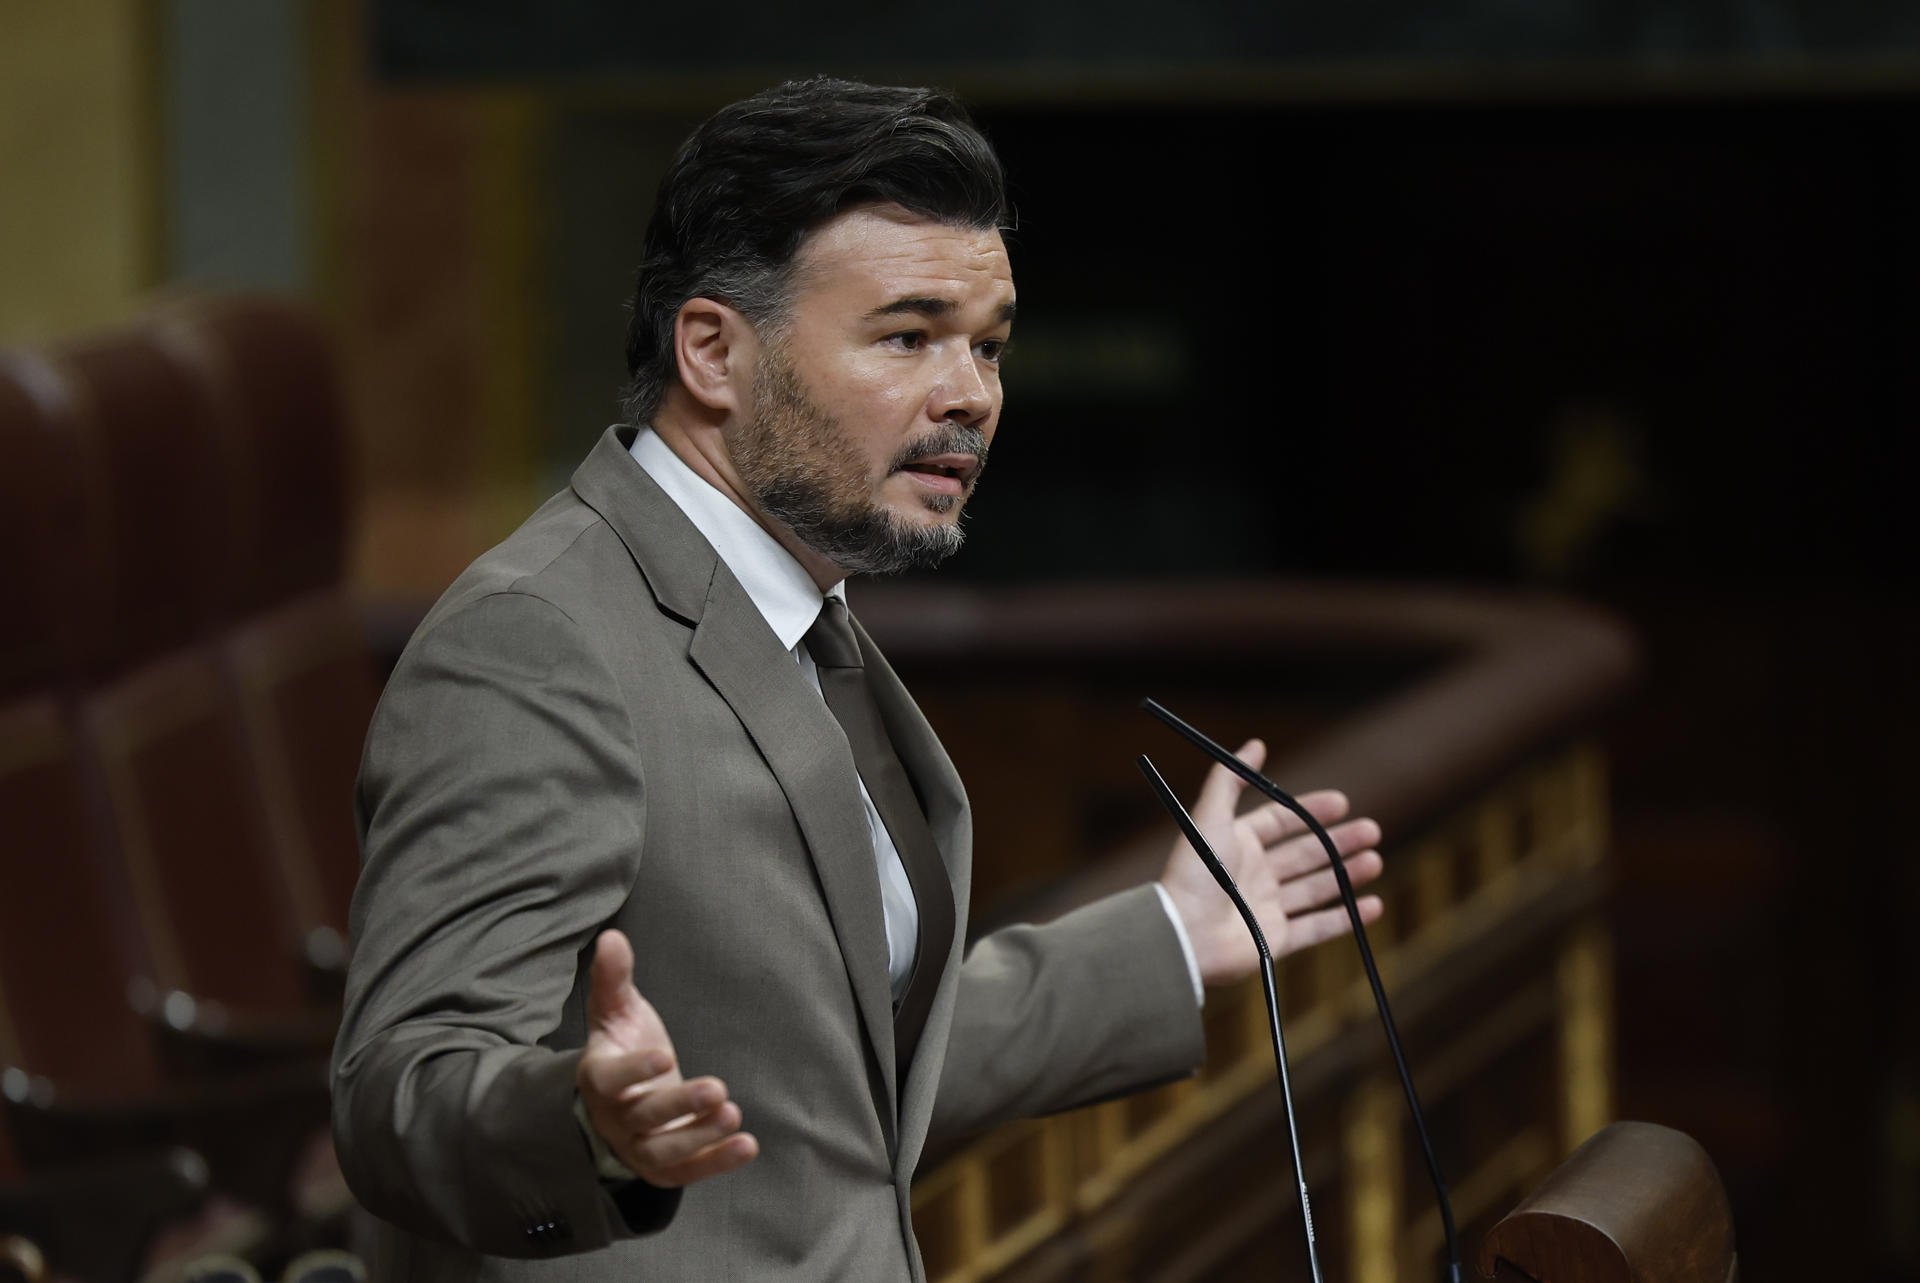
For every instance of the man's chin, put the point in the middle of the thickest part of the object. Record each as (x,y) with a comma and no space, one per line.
(933,512)
(925,508)
(913,540)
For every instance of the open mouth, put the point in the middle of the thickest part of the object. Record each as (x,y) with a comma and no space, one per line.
(953,469)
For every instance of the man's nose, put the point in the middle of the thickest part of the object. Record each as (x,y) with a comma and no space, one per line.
(962,394)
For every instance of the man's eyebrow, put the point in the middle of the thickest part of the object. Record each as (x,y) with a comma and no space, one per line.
(929,306)
(914,305)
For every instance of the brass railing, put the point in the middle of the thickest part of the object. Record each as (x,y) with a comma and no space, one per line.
(1493,948)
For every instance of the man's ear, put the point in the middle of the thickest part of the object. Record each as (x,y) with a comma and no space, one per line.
(715,349)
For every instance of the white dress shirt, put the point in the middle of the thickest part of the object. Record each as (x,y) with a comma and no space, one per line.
(790,601)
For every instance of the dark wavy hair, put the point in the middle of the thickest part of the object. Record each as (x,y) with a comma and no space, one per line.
(750,183)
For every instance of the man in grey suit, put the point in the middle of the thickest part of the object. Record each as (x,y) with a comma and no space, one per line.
(641,747)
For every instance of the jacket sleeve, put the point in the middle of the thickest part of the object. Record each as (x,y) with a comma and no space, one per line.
(500,802)
(1095,1004)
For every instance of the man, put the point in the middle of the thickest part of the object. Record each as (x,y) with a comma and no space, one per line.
(641,749)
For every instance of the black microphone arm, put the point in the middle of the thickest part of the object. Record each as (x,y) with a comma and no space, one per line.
(1274,791)
(1225,879)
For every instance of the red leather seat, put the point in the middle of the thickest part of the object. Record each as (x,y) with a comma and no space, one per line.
(157,695)
(265,368)
(51,535)
(299,659)
(164,728)
(68,949)
(68,942)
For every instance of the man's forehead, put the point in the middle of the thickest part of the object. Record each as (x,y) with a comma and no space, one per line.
(883,249)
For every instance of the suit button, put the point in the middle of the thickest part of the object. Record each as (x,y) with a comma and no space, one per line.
(550,1233)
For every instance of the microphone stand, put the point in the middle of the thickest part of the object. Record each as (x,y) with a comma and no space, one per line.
(1274,791)
(1226,882)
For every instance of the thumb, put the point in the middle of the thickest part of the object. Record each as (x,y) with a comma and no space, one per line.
(1222,789)
(611,996)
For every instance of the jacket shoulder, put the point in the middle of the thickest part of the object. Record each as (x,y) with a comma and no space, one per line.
(565,553)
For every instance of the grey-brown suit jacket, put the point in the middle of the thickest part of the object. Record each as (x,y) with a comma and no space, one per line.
(595,727)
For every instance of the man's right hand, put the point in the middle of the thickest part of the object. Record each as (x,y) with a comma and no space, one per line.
(670,1131)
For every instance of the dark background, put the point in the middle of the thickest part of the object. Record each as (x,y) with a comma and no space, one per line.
(510,39)
(1657,353)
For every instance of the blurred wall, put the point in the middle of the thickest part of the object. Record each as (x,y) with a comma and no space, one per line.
(147,144)
(462,188)
(80,218)
(240,165)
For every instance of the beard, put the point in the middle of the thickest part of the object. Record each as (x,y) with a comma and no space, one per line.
(802,470)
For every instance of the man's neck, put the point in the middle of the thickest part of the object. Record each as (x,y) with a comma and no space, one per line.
(703,449)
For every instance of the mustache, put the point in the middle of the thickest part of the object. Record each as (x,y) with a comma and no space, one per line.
(954,438)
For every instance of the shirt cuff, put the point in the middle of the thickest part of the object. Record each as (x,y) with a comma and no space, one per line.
(608,1165)
(1186,951)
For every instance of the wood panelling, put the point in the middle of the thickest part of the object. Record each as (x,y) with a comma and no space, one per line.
(1500,990)
(80,148)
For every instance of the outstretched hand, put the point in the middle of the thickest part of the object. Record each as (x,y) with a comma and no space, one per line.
(1281,868)
(669,1130)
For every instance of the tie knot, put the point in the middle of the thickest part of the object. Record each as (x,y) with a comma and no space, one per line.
(830,640)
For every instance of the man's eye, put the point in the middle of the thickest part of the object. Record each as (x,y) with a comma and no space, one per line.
(994,349)
(911,340)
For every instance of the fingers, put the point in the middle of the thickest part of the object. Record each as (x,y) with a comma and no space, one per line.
(1303,854)
(686,1132)
(1310,929)
(658,1107)
(670,1132)
(618,1077)
(734,1152)
(1222,787)
(611,978)
(670,1146)
(1300,894)
(1272,822)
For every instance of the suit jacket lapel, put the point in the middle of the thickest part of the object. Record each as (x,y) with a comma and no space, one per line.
(945,802)
(789,723)
(936,782)
(808,754)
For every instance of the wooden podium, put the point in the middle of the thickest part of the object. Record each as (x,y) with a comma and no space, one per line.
(1637,1203)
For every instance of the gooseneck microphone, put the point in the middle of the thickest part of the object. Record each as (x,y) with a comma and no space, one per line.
(1274,791)
(1225,879)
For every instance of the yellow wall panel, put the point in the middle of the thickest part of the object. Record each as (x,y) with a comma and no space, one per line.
(79,151)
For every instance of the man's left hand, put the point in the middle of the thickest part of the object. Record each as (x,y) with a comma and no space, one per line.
(1281,868)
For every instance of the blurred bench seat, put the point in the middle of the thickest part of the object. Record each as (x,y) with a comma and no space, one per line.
(184,685)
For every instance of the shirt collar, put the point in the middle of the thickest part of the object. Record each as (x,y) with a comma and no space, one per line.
(778,585)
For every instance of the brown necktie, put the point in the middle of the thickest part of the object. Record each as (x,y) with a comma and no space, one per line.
(843,680)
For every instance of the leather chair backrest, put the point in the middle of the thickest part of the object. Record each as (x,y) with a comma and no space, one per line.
(162,474)
(68,945)
(51,534)
(307,692)
(185,507)
(194,840)
(266,367)
(162,722)
(299,659)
